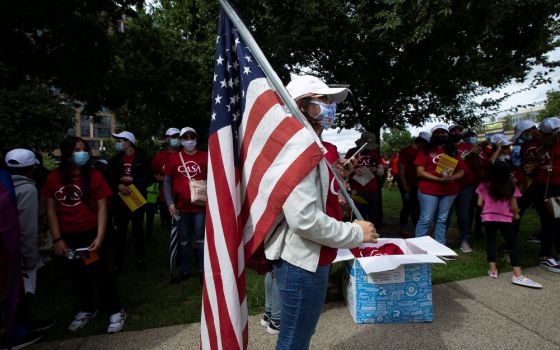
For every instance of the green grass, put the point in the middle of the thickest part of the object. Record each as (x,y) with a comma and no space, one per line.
(152,302)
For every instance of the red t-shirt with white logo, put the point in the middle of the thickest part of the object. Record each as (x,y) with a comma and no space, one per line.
(530,157)
(548,158)
(470,175)
(73,214)
(127,162)
(334,210)
(429,162)
(197,167)
(369,158)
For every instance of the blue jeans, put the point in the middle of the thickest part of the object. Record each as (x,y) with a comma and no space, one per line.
(428,206)
(302,294)
(462,209)
(191,224)
(271,298)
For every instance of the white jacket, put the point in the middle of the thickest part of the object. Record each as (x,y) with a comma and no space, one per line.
(304,226)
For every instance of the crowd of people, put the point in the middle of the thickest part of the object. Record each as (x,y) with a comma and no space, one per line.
(489,183)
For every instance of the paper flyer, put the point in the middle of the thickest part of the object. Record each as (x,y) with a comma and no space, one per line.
(446,165)
(134,200)
(365,177)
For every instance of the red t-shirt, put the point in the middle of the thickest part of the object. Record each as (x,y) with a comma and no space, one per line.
(429,162)
(197,166)
(73,214)
(530,157)
(368,158)
(334,210)
(127,162)
(407,156)
(549,158)
(395,164)
(470,175)
(158,168)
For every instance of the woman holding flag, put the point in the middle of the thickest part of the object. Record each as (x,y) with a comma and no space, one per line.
(305,244)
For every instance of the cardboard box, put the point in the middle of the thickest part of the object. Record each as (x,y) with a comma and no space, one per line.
(392,288)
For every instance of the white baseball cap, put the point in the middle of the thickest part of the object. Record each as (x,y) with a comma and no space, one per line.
(172,131)
(21,158)
(500,139)
(548,125)
(424,135)
(127,135)
(304,85)
(440,126)
(453,126)
(521,127)
(187,129)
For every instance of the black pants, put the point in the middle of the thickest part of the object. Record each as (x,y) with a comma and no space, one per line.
(532,196)
(164,216)
(506,228)
(550,228)
(122,216)
(410,205)
(151,209)
(87,279)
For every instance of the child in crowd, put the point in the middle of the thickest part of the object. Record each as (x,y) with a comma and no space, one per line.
(498,198)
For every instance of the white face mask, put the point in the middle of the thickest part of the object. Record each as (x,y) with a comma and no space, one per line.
(189,145)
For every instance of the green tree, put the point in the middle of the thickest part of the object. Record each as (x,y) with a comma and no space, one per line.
(408,61)
(552,108)
(394,140)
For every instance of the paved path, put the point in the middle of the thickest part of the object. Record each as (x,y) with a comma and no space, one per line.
(479,313)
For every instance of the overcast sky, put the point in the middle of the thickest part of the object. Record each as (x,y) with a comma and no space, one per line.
(344,139)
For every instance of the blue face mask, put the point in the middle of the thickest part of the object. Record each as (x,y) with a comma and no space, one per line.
(471,140)
(80,158)
(119,147)
(326,116)
(174,143)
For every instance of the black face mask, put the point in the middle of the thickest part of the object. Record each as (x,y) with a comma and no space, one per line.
(455,138)
(439,140)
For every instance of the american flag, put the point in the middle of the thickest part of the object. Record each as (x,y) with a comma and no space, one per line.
(257,154)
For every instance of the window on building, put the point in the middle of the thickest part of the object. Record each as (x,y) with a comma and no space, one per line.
(103,127)
(85,126)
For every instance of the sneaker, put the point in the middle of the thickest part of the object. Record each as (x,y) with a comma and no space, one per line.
(273,327)
(525,282)
(493,274)
(30,338)
(550,264)
(81,319)
(465,247)
(449,257)
(265,320)
(39,325)
(116,322)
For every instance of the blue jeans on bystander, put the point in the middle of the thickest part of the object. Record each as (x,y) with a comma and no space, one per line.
(191,225)
(428,206)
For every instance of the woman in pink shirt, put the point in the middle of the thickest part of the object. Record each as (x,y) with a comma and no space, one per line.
(498,198)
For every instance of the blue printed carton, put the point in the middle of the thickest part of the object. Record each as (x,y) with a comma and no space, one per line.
(392,288)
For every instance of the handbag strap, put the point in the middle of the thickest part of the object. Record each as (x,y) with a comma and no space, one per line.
(549,175)
(184,165)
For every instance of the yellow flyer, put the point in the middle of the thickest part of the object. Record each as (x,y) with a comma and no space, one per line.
(446,165)
(134,200)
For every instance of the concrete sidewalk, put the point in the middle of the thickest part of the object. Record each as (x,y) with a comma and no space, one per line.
(479,313)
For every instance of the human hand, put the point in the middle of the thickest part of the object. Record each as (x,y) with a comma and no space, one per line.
(60,248)
(96,244)
(446,179)
(346,166)
(172,210)
(126,179)
(370,234)
(123,189)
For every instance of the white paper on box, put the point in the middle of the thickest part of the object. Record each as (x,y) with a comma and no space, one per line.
(387,277)
(430,246)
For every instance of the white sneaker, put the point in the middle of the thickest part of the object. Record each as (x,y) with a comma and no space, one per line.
(81,319)
(265,320)
(525,282)
(465,247)
(550,264)
(116,322)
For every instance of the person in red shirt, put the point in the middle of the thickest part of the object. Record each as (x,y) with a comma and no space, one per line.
(408,183)
(77,214)
(364,180)
(547,185)
(394,169)
(188,163)
(130,166)
(158,169)
(437,189)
